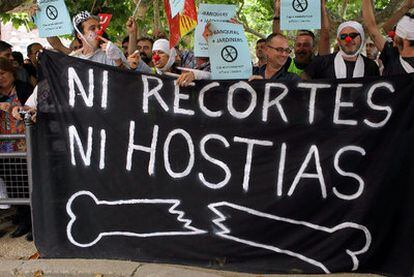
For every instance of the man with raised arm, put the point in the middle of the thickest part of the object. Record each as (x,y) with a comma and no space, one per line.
(398,59)
(95,47)
(305,43)
(348,62)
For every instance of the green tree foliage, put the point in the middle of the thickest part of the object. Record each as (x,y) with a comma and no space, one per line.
(255,15)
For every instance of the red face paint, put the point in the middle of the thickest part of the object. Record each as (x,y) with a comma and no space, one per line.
(348,39)
(156,57)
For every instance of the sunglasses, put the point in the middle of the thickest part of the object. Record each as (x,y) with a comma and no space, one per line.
(281,49)
(351,35)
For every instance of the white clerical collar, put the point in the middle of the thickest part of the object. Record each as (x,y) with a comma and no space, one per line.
(340,67)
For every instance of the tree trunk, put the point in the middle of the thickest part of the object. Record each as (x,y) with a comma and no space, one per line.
(156,27)
(9,5)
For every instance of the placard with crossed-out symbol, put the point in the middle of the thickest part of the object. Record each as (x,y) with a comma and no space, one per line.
(229,53)
(300,5)
(51,12)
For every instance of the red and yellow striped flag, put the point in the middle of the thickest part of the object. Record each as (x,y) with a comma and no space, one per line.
(183,23)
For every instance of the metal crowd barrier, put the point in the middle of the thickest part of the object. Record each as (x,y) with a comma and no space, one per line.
(15,170)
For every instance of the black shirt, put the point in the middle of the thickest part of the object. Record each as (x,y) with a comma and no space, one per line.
(390,57)
(323,67)
(282,74)
(31,69)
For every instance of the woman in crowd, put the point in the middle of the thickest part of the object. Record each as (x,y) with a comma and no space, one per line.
(13,94)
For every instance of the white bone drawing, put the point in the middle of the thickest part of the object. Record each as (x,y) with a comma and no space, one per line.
(225,233)
(173,203)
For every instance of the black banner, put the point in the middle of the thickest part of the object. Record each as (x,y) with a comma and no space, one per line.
(308,177)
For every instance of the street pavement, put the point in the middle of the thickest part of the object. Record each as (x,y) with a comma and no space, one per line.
(19,257)
(15,254)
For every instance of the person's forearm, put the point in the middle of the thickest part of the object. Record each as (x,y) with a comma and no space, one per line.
(371,24)
(143,68)
(132,43)
(57,45)
(368,14)
(324,47)
(325,23)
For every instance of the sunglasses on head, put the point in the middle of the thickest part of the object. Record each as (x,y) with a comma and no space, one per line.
(351,35)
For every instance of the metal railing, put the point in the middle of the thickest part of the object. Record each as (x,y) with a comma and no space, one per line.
(15,171)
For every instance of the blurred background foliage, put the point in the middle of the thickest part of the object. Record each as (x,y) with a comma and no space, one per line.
(255,15)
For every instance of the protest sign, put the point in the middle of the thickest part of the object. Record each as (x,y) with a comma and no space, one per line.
(300,15)
(53,18)
(210,13)
(229,52)
(310,177)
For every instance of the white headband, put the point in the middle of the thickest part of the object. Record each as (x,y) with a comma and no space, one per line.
(80,18)
(164,46)
(358,27)
(405,28)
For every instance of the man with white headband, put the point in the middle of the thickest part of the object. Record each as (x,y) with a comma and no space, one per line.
(398,58)
(163,58)
(95,47)
(348,62)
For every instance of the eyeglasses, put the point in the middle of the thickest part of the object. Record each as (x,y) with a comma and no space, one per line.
(351,35)
(281,49)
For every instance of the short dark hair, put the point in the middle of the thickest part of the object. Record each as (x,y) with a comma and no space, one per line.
(30,46)
(18,57)
(306,33)
(4,46)
(147,39)
(411,43)
(126,39)
(261,41)
(273,35)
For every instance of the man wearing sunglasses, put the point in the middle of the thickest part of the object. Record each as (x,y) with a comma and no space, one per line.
(348,61)
(398,58)
(277,53)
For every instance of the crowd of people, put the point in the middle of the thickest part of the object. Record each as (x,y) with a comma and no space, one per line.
(276,61)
